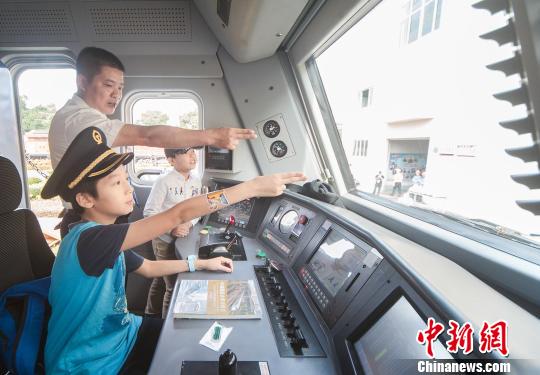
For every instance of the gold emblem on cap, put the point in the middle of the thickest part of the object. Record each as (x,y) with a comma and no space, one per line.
(89,167)
(97,137)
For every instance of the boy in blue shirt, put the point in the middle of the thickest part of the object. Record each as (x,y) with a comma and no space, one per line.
(90,329)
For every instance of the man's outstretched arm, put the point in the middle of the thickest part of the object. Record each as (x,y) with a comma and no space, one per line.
(172,137)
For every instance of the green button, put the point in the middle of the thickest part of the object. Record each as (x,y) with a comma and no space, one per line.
(217,333)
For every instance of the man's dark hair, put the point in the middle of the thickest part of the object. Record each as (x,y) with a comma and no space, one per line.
(91,59)
(85,186)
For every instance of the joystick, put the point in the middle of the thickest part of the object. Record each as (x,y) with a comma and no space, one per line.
(227,363)
(231,222)
(226,243)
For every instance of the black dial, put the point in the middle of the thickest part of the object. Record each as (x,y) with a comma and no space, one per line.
(271,129)
(278,149)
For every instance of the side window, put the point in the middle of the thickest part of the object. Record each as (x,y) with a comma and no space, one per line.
(176,109)
(430,145)
(421,18)
(37,105)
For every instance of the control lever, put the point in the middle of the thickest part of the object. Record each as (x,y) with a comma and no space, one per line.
(300,337)
(290,322)
(296,345)
(228,363)
(268,267)
(281,301)
(231,222)
(298,341)
(283,307)
(275,265)
(286,314)
(276,290)
(231,242)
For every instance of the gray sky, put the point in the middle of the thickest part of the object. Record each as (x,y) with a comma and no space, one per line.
(36,84)
(46,86)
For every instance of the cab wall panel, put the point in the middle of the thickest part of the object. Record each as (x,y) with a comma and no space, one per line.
(261,91)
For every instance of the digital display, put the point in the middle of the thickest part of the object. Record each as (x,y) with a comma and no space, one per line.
(335,261)
(241,212)
(384,348)
(220,159)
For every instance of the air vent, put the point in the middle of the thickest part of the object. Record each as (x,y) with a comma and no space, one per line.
(36,22)
(524,64)
(137,21)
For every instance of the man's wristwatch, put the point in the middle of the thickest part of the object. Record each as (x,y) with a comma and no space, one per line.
(191,262)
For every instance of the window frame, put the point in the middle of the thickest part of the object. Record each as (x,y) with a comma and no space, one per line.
(360,201)
(328,117)
(18,63)
(133,97)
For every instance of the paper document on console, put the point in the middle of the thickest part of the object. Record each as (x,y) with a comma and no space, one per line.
(217,299)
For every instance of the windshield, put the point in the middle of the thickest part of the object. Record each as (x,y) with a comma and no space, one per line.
(413,104)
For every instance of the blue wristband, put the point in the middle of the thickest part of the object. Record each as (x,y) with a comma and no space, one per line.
(191,263)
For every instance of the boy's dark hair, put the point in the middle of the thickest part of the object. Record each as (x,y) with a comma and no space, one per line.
(172,152)
(85,186)
(91,59)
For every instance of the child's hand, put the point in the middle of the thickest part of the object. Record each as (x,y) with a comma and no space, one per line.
(273,185)
(182,230)
(215,264)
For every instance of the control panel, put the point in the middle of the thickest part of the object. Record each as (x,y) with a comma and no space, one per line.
(241,211)
(248,213)
(287,226)
(292,332)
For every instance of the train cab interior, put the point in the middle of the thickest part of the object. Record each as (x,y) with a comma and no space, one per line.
(416,122)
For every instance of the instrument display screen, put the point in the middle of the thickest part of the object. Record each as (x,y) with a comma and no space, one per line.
(241,212)
(335,261)
(390,347)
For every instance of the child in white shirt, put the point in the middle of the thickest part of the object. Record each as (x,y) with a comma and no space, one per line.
(168,190)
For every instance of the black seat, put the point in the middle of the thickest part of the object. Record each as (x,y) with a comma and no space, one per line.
(24,253)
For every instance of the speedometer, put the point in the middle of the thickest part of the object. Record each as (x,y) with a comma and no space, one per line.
(271,129)
(278,149)
(288,221)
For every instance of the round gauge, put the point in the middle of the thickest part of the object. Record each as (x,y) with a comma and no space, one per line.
(271,129)
(288,221)
(278,149)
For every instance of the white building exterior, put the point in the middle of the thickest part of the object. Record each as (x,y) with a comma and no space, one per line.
(430,106)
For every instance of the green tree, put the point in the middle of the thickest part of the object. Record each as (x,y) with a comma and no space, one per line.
(190,120)
(153,118)
(36,118)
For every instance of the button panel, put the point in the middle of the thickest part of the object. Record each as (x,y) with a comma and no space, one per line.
(236,224)
(280,245)
(292,332)
(312,286)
